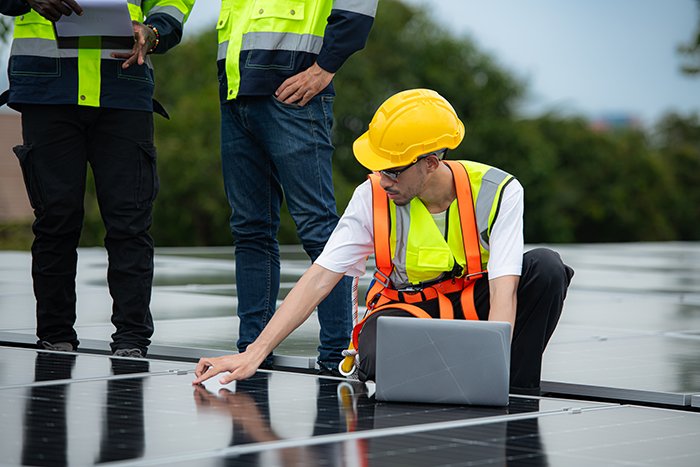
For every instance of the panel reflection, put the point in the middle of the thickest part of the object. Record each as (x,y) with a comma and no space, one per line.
(123,434)
(336,411)
(45,430)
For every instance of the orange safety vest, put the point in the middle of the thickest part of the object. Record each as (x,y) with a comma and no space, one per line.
(382,295)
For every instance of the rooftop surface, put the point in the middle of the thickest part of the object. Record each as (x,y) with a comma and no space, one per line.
(621,376)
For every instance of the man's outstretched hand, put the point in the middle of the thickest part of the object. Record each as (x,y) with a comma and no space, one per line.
(54,9)
(240,366)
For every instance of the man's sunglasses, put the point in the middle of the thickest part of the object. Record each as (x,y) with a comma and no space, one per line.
(393,174)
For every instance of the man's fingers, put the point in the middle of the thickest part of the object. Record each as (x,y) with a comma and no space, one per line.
(202,365)
(74,6)
(142,56)
(307,97)
(129,61)
(49,13)
(63,9)
(206,375)
(229,377)
(285,95)
(287,88)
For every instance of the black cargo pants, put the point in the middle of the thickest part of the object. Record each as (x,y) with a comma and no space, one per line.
(59,142)
(541,292)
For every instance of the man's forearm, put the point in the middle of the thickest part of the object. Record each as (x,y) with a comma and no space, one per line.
(503,299)
(316,283)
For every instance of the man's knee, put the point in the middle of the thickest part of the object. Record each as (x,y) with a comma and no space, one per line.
(547,267)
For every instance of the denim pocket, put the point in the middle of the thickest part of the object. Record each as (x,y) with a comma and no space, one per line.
(287,106)
(148,184)
(31,182)
(327,107)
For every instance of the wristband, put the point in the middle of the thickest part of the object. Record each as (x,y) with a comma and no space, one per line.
(155,31)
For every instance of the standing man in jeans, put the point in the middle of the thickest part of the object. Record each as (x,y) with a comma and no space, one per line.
(89,105)
(276,61)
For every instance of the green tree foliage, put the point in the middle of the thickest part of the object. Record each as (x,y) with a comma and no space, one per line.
(679,146)
(5,29)
(580,185)
(692,50)
(407,49)
(192,207)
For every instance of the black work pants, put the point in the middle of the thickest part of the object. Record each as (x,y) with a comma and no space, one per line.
(59,142)
(540,298)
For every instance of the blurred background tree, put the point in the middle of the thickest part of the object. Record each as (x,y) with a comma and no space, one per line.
(692,50)
(5,29)
(582,184)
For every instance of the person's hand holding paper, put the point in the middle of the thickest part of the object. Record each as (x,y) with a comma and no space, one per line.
(110,21)
(54,9)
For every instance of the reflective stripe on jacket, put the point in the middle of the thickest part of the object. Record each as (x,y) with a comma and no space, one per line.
(41,73)
(264,42)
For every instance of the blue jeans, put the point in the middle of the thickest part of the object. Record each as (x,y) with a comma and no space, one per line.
(269,149)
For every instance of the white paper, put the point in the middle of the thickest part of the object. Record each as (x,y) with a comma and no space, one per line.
(100,18)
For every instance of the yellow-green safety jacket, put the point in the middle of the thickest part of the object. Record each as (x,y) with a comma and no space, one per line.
(264,42)
(41,73)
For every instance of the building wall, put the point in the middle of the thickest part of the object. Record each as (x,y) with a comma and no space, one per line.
(14,204)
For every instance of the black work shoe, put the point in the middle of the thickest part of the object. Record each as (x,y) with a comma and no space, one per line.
(328,369)
(58,346)
(133,353)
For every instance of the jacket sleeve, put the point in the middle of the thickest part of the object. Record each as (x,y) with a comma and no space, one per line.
(14,7)
(168,16)
(348,28)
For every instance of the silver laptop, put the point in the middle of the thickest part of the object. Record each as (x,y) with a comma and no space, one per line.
(442,361)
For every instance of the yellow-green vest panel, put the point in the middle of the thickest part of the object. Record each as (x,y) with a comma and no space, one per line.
(421,252)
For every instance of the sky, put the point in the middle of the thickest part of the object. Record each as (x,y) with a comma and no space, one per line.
(592,58)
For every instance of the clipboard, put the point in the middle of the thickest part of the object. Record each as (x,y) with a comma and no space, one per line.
(105,24)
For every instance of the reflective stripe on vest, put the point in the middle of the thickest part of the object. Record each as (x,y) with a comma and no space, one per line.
(291,25)
(488,182)
(47,48)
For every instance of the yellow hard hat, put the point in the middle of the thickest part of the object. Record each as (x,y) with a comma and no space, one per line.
(407,125)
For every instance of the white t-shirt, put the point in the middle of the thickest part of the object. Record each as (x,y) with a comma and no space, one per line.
(352,241)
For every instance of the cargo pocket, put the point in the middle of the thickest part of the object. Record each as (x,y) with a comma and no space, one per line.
(149,184)
(31,182)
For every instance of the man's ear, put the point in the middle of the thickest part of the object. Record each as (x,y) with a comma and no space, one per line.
(432,163)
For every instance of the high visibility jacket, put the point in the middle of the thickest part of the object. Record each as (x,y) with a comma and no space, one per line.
(264,42)
(41,73)
(417,262)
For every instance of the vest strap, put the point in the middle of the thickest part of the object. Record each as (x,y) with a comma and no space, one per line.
(381,225)
(467,217)
(382,298)
(412,309)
